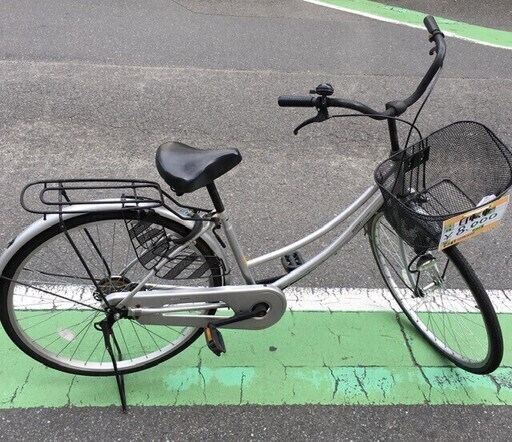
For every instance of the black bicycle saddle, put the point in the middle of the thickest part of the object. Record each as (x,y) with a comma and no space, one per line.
(187,168)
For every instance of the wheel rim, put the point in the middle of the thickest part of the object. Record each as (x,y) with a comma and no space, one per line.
(444,310)
(52,308)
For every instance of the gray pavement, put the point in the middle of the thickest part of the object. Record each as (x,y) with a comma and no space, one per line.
(54,113)
(94,79)
(258,423)
(91,89)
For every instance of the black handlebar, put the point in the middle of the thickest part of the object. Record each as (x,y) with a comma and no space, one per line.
(319,102)
(393,108)
(293,101)
(438,38)
(430,24)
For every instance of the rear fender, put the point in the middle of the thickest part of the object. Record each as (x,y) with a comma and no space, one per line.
(50,220)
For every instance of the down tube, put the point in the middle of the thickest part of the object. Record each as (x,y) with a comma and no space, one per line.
(325,254)
(343,216)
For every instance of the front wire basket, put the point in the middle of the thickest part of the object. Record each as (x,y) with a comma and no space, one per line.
(443,175)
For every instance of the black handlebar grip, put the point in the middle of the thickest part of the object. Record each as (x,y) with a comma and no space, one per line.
(294,101)
(430,24)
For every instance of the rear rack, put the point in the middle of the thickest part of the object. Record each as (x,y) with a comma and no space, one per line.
(66,196)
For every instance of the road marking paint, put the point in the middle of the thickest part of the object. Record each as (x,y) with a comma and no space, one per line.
(333,346)
(298,299)
(362,299)
(307,358)
(392,14)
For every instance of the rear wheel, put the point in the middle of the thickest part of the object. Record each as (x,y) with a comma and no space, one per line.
(442,297)
(49,304)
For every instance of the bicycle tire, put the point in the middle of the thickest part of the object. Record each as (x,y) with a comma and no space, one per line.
(47,305)
(458,321)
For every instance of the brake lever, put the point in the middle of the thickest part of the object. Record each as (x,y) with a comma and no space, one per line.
(322,115)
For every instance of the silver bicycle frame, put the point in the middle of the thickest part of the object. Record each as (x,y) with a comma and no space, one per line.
(165,304)
(371,198)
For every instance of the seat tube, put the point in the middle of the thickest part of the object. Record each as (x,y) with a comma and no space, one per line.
(236,248)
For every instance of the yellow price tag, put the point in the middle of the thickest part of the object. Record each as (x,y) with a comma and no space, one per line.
(465,226)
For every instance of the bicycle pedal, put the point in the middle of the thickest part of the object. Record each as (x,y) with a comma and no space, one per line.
(292,261)
(214,339)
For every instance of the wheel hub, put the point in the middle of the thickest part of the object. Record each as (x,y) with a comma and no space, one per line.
(112,284)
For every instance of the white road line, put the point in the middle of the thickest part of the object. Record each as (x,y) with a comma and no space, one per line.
(403,23)
(364,14)
(371,300)
(316,299)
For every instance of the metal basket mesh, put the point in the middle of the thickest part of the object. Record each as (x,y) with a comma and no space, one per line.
(445,174)
(153,243)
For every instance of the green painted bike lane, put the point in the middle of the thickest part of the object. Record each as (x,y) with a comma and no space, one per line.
(479,34)
(307,358)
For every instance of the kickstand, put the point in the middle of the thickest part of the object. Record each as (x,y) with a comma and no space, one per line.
(106,327)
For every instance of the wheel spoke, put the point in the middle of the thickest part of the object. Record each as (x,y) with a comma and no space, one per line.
(445,311)
(47,292)
(51,300)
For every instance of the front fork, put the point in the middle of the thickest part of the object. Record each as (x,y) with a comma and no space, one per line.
(425,264)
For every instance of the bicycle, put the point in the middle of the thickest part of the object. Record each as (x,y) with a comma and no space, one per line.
(114,285)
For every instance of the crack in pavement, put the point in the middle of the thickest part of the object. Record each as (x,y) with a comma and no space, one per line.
(498,388)
(68,393)
(360,383)
(20,388)
(413,358)
(336,381)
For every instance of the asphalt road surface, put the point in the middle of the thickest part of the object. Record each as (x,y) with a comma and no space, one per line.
(493,14)
(92,88)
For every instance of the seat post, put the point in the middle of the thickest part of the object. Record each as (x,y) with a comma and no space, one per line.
(214,195)
(229,231)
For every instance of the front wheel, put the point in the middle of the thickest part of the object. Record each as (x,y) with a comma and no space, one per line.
(442,297)
(49,301)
